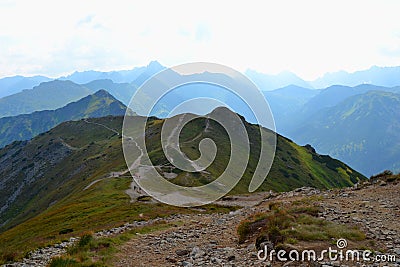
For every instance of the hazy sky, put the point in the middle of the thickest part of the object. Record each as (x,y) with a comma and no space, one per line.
(306,37)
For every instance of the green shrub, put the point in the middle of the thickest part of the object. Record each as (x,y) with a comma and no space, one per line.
(243,230)
(9,256)
(63,262)
(85,240)
(65,231)
(310,210)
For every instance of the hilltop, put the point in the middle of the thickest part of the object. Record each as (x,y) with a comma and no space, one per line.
(75,177)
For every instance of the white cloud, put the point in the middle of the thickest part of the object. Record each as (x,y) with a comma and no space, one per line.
(307,37)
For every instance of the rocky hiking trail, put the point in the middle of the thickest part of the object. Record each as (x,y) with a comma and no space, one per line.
(211,239)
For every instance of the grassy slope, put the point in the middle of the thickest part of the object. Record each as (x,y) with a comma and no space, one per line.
(103,206)
(56,201)
(294,166)
(97,153)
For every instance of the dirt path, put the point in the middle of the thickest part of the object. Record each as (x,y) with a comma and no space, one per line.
(211,240)
(68,145)
(134,191)
(208,238)
(102,125)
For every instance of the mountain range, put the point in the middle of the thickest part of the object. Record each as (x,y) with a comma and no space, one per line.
(363,131)
(121,76)
(47,95)
(25,126)
(380,76)
(43,173)
(268,82)
(293,105)
(62,166)
(319,118)
(15,84)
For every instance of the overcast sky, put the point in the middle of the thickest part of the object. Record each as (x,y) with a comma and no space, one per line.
(308,38)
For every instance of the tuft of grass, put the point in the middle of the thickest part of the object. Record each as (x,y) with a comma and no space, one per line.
(85,240)
(305,209)
(294,223)
(243,230)
(63,262)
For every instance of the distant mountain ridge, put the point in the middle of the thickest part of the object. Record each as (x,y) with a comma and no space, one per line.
(120,76)
(15,84)
(320,118)
(286,102)
(57,93)
(293,106)
(267,82)
(381,76)
(363,131)
(47,95)
(26,126)
(335,94)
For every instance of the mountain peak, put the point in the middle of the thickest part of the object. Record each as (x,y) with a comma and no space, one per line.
(154,66)
(103,93)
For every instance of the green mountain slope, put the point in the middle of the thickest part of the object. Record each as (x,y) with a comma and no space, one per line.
(37,168)
(363,131)
(294,166)
(24,127)
(47,95)
(44,192)
(66,178)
